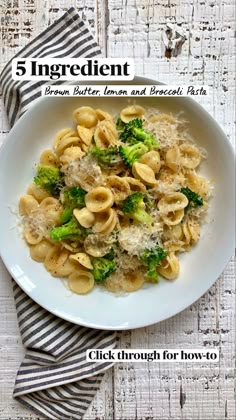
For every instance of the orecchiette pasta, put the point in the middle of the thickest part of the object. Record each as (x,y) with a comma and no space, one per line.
(131,112)
(119,187)
(85,217)
(38,193)
(116,200)
(144,173)
(133,281)
(81,281)
(152,159)
(169,267)
(27,205)
(105,134)
(85,116)
(83,259)
(48,158)
(135,185)
(57,262)
(105,221)
(38,252)
(32,236)
(70,154)
(86,135)
(99,199)
(103,115)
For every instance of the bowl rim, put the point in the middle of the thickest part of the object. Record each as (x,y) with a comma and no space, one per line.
(3,148)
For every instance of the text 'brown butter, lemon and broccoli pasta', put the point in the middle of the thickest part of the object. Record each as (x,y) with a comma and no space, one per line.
(116,200)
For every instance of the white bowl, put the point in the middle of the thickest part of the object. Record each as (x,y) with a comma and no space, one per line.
(100,309)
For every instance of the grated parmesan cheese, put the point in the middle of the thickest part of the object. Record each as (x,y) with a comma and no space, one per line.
(84,172)
(135,239)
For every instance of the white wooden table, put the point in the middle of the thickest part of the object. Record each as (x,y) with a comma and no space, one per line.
(134,28)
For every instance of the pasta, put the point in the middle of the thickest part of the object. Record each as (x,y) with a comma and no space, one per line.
(116,201)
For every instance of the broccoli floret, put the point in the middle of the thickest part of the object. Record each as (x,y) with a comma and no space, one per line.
(194,199)
(134,132)
(103,267)
(132,153)
(71,230)
(152,258)
(105,157)
(128,134)
(120,124)
(72,198)
(134,207)
(50,179)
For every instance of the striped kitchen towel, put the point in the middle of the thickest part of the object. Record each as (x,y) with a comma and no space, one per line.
(54,379)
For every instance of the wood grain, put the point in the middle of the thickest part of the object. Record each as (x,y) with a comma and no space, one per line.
(135,29)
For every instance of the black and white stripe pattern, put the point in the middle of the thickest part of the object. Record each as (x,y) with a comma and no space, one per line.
(68,36)
(54,379)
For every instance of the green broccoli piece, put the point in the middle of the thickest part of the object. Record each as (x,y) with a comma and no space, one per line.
(134,207)
(132,153)
(71,230)
(134,132)
(152,258)
(50,179)
(103,267)
(194,199)
(120,124)
(73,198)
(105,157)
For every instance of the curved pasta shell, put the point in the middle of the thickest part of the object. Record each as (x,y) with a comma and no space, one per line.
(152,159)
(96,245)
(132,112)
(31,236)
(70,154)
(99,199)
(70,246)
(197,183)
(173,233)
(52,210)
(133,280)
(85,116)
(81,282)
(106,135)
(174,246)
(67,142)
(86,135)
(57,262)
(61,134)
(38,193)
(85,217)
(169,267)
(27,205)
(48,158)
(190,156)
(39,251)
(173,217)
(48,201)
(144,173)
(173,158)
(191,231)
(104,221)
(119,187)
(103,115)
(172,202)
(83,259)
(134,184)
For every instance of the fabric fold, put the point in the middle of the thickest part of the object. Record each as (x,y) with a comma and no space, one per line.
(55,380)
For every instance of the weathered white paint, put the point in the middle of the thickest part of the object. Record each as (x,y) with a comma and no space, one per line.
(135,28)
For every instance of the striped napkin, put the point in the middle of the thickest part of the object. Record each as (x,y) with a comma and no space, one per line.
(54,379)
